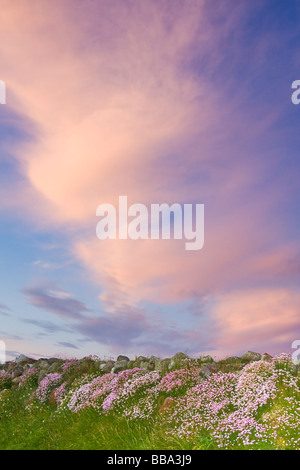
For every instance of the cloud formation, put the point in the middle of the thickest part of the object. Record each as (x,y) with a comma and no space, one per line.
(255,317)
(127,99)
(4,310)
(67,345)
(56,301)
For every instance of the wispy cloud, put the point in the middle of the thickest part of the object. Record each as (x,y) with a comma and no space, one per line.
(56,301)
(46,326)
(5,336)
(256,318)
(4,310)
(67,345)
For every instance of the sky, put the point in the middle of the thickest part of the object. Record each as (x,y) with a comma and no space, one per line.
(164,101)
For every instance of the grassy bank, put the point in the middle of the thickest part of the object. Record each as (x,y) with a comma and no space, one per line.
(80,407)
(45,429)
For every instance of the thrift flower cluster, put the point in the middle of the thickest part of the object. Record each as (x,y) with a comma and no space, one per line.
(254,407)
(70,363)
(30,378)
(103,391)
(138,398)
(258,406)
(46,385)
(59,393)
(179,381)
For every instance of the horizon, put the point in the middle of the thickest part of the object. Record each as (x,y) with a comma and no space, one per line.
(135,358)
(164,102)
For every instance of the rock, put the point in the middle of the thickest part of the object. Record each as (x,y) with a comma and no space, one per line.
(141,359)
(177,361)
(147,366)
(162,364)
(18,371)
(123,358)
(153,359)
(16,380)
(53,360)
(231,364)
(207,370)
(119,366)
(42,363)
(11,366)
(22,358)
(107,367)
(46,363)
(205,359)
(132,364)
(179,356)
(232,359)
(251,356)
(140,362)
(267,357)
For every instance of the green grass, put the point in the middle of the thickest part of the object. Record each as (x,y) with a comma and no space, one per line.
(26,424)
(45,429)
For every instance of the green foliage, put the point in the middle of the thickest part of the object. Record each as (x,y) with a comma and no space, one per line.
(42,428)
(5,380)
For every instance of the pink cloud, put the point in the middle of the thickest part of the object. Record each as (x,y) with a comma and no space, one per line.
(97,129)
(262,318)
(115,113)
